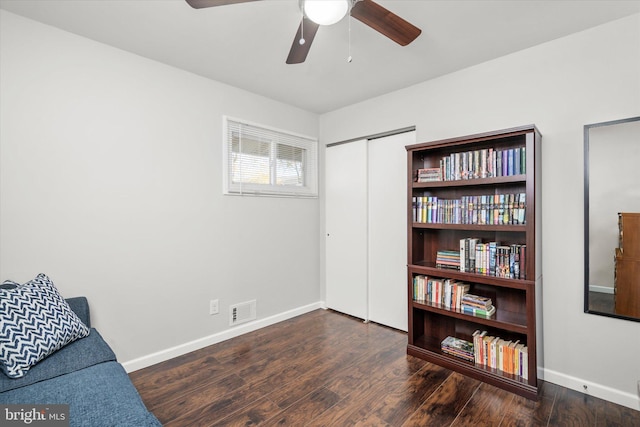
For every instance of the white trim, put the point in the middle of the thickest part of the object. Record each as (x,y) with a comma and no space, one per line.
(601,289)
(593,389)
(225,118)
(179,350)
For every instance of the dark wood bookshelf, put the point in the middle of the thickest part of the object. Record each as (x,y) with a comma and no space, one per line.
(515,299)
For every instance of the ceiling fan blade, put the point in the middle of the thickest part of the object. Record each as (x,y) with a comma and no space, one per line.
(385,22)
(298,52)
(199,4)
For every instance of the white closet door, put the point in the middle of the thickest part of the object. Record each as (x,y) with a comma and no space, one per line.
(346,227)
(387,254)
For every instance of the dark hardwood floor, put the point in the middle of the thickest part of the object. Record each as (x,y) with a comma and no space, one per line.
(327,369)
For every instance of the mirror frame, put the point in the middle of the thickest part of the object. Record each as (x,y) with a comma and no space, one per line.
(587,128)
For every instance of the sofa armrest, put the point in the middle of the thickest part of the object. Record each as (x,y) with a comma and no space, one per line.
(80,307)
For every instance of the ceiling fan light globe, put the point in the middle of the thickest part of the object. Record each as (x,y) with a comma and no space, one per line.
(326,12)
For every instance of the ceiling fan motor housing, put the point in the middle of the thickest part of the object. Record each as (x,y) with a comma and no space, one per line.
(325,12)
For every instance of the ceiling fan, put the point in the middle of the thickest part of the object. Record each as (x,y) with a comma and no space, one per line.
(366,11)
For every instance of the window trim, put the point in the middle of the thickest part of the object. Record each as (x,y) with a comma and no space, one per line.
(309,144)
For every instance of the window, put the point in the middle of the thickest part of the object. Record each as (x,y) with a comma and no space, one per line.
(263,161)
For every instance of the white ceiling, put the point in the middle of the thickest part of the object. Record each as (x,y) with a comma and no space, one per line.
(245,45)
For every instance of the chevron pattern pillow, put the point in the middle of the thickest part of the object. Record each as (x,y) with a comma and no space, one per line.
(35,321)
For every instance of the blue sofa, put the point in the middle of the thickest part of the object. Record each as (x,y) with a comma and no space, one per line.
(85,375)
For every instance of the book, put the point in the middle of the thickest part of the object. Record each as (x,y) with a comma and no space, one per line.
(478,346)
(464,255)
(477,301)
(472,254)
(521,208)
(448,259)
(429,175)
(459,348)
(478,312)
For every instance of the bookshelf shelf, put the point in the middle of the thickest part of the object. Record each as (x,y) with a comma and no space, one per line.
(471,182)
(429,269)
(471,227)
(503,319)
(427,351)
(499,212)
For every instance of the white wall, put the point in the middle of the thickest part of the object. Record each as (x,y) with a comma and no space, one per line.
(559,86)
(111,183)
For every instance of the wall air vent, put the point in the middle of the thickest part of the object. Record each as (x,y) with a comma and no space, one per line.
(241,313)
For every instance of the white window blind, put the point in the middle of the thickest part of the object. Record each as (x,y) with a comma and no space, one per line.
(263,161)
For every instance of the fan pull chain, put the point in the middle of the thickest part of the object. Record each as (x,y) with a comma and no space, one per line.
(302,40)
(349,58)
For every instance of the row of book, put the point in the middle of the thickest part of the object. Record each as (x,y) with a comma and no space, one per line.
(496,209)
(484,163)
(492,259)
(510,357)
(452,295)
(447,293)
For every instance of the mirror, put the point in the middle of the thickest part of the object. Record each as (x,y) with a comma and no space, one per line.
(612,218)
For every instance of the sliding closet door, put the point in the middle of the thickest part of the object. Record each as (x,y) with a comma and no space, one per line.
(346,227)
(387,236)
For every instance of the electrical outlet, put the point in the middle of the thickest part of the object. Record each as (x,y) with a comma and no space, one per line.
(213,307)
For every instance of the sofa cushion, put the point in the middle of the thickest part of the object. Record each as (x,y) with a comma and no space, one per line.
(79,354)
(35,321)
(80,307)
(100,395)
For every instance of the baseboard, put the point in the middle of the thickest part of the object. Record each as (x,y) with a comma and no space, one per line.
(601,289)
(179,350)
(600,391)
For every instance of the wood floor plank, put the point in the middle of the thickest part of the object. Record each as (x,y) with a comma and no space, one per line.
(217,408)
(612,415)
(404,395)
(485,408)
(444,405)
(366,372)
(169,384)
(573,408)
(371,420)
(328,369)
(363,397)
(337,365)
(196,398)
(253,415)
(255,346)
(528,413)
(306,408)
(391,400)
